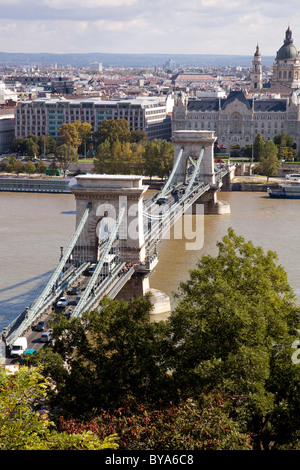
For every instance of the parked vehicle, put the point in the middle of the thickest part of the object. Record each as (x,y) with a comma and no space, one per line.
(19,347)
(62,302)
(293,177)
(78,298)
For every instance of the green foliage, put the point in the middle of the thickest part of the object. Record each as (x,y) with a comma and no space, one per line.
(22,427)
(33,145)
(246,151)
(69,135)
(234,314)
(30,168)
(150,158)
(268,160)
(113,130)
(257,146)
(286,147)
(65,154)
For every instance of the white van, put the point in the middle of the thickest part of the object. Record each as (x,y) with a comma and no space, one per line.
(46,337)
(19,347)
(108,265)
(293,177)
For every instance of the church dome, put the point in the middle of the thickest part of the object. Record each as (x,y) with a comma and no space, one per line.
(288,50)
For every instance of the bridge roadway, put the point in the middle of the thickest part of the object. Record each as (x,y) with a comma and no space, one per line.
(109,285)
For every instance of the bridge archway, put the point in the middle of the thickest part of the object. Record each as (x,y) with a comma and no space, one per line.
(190,143)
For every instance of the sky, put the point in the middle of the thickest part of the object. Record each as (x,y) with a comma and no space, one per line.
(140,26)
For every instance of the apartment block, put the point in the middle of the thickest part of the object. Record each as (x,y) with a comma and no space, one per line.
(46,116)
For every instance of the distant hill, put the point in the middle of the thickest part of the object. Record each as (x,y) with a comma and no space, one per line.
(128,60)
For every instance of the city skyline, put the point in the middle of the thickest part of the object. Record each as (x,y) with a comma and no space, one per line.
(138,26)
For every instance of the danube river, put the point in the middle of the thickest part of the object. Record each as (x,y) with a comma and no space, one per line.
(33,227)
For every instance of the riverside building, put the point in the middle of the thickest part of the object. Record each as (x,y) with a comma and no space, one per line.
(46,116)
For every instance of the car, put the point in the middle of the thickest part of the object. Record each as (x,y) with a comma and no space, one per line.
(46,337)
(40,326)
(162,200)
(92,269)
(62,302)
(78,298)
(30,352)
(75,290)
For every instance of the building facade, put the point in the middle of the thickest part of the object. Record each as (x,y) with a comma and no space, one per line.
(46,116)
(237,120)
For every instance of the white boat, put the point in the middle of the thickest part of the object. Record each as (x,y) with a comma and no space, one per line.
(285,191)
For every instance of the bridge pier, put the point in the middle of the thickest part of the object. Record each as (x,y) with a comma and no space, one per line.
(189,144)
(211,203)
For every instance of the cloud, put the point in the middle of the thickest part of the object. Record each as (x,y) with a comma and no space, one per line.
(166,26)
(75,4)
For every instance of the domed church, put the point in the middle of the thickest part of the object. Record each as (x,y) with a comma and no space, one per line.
(286,70)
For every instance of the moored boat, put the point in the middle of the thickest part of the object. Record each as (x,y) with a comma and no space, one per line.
(285,191)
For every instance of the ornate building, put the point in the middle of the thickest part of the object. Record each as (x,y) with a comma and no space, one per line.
(237,119)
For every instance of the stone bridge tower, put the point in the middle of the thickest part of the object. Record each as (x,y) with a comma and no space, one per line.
(191,143)
(107,194)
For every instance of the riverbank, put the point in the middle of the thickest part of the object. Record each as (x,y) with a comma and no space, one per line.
(40,183)
(255,183)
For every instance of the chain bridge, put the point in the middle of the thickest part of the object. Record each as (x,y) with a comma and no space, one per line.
(114,246)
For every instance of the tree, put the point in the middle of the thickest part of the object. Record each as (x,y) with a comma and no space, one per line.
(17,166)
(30,168)
(66,154)
(170,427)
(158,158)
(268,161)
(286,147)
(232,331)
(19,146)
(257,147)
(85,132)
(24,427)
(138,136)
(40,167)
(31,145)
(69,135)
(246,151)
(113,130)
(47,145)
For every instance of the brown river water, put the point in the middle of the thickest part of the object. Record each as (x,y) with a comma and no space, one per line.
(33,227)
